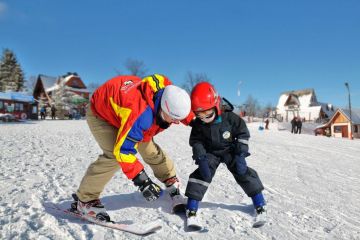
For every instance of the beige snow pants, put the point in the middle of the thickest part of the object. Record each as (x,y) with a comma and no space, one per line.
(103,169)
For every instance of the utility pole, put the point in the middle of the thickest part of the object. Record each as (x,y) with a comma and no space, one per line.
(351,129)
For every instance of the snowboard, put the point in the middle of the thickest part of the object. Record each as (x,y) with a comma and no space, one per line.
(135,228)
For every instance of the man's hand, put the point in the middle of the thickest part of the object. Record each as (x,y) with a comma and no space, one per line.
(150,190)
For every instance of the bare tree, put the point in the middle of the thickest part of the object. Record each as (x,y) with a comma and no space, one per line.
(192,79)
(118,72)
(136,67)
(252,106)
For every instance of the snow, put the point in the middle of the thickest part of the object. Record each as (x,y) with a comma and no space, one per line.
(312,186)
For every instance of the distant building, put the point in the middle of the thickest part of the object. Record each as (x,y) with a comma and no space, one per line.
(339,124)
(75,94)
(46,86)
(303,104)
(18,104)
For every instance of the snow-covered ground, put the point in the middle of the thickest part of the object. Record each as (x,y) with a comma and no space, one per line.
(312,186)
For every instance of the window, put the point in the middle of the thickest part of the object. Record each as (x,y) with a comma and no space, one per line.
(356,128)
(337,129)
(19,107)
(9,107)
(34,109)
(1,104)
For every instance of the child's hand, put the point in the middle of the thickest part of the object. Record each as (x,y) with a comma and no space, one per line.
(204,169)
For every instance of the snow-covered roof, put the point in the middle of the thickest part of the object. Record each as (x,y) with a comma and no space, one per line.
(16,96)
(302,92)
(68,77)
(83,90)
(355,115)
(328,109)
(303,96)
(48,82)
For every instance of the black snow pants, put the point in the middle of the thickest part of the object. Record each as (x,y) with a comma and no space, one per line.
(249,181)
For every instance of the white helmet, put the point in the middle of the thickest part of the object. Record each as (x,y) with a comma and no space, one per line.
(175,102)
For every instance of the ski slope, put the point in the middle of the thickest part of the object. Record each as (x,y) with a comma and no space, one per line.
(312,186)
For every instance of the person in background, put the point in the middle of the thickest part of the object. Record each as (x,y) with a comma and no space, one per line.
(42,112)
(124,115)
(293,125)
(53,112)
(267,124)
(298,125)
(219,137)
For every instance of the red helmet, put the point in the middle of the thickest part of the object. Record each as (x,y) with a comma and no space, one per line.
(204,97)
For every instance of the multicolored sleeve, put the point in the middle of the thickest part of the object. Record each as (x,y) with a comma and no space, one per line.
(126,146)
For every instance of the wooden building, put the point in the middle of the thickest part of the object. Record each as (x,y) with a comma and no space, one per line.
(77,94)
(46,86)
(340,126)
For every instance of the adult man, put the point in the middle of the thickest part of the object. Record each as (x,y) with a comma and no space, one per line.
(293,125)
(125,113)
(298,125)
(53,112)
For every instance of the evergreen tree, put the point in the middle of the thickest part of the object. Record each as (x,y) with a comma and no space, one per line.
(11,74)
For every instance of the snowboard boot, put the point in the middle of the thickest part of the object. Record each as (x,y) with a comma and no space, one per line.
(92,209)
(178,200)
(192,221)
(260,217)
(260,210)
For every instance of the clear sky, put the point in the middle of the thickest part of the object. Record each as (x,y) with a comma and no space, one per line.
(268,46)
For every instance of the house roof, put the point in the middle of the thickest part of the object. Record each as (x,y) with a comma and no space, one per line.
(47,81)
(16,96)
(355,115)
(299,92)
(329,109)
(304,97)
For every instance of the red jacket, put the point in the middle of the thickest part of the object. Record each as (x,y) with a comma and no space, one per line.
(127,103)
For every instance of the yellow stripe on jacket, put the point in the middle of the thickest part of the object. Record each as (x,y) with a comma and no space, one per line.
(123,114)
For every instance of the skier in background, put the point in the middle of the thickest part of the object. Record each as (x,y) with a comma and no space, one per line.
(125,114)
(219,137)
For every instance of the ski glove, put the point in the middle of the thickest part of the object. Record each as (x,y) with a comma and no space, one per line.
(204,169)
(150,190)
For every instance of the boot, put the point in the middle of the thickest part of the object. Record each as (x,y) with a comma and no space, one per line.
(178,200)
(92,209)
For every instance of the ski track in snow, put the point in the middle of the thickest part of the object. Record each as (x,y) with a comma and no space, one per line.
(311,186)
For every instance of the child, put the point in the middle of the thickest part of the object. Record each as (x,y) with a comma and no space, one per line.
(219,137)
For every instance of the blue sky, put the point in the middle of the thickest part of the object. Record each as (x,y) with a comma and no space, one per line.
(270,46)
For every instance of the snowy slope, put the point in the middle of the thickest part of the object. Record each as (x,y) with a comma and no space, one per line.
(312,186)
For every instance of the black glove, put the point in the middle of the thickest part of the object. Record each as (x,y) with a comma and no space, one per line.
(150,190)
(204,169)
(239,147)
